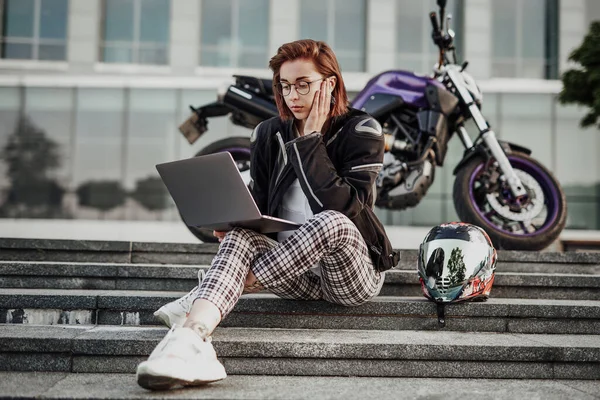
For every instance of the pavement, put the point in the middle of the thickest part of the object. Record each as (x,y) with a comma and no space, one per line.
(49,385)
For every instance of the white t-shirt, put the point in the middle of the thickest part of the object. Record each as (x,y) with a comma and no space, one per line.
(294,207)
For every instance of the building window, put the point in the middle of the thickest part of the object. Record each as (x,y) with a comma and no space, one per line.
(415,50)
(136,31)
(234,33)
(34,29)
(341,24)
(525,39)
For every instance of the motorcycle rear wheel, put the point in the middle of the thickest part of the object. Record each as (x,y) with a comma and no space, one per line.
(484,200)
(239,147)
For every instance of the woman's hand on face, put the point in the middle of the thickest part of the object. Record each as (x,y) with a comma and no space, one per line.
(320,109)
(219,235)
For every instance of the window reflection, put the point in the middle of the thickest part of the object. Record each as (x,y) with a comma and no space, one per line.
(9,115)
(53,19)
(579,176)
(99,142)
(151,130)
(342,24)
(520,48)
(34,153)
(99,149)
(51,110)
(527,120)
(34,29)
(136,31)
(234,33)
(313,19)
(118,20)
(107,141)
(254,34)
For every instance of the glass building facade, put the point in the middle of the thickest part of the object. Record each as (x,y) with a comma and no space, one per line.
(92,93)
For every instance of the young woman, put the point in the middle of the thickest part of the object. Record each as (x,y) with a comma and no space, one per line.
(315,164)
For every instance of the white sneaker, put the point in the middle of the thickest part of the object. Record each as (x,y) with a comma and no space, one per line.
(182,358)
(176,312)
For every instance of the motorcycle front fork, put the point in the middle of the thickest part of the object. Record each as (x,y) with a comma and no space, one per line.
(489,138)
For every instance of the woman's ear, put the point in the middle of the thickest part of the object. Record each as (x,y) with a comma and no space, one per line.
(332,82)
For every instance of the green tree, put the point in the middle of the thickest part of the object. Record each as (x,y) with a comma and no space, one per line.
(29,156)
(151,193)
(101,195)
(456,266)
(582,85)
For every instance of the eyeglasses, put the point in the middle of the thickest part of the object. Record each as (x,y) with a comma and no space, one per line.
(302,87)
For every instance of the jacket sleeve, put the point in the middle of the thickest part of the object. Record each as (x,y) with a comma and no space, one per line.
(347,189)
(259,170)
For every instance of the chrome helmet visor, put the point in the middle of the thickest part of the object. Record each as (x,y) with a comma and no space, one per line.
(448,265)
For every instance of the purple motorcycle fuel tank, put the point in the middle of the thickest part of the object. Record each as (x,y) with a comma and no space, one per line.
(389,85)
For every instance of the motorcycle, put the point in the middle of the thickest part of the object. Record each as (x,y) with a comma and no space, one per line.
(498,185)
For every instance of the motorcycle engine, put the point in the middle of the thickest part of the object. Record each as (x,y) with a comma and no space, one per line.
(402,186)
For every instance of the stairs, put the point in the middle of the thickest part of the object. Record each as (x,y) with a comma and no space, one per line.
(86,307)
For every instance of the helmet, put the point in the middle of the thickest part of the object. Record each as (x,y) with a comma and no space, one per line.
(457,262)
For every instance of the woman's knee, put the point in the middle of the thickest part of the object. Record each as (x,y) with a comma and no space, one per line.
(337,227)
(239,234)
(334,218)
(245,243)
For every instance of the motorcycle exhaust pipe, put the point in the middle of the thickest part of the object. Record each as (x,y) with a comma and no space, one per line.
(391,143)
(250,104)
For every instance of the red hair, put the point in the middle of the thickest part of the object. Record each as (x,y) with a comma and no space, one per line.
(325,63)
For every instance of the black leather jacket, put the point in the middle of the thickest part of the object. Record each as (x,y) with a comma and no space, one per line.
(336,171)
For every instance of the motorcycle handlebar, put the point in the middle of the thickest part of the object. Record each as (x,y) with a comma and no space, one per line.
(434,21)
(437,36)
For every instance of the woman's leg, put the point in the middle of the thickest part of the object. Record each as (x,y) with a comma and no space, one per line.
(223,284)
(186,355)
(329,237)
(348,276)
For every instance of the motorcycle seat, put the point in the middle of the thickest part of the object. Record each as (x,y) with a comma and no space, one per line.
(260,86)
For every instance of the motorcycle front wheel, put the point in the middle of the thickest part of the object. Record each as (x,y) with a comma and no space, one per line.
(532,222)
(239,147)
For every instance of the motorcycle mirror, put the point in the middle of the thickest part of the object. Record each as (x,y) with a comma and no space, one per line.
(441,3)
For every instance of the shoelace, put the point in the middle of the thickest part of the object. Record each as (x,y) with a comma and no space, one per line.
(185,300)
(168,339)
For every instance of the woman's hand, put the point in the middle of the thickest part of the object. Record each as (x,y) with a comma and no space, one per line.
(320,109)
(219,235)
(252,285)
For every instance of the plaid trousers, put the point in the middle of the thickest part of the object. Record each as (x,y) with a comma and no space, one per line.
(347,273)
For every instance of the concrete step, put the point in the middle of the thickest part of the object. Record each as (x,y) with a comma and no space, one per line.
(72,307)
(119,276)
(51,385)
(202,254)
(313,352)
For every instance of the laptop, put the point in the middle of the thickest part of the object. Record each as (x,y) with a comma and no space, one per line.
(210,193)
